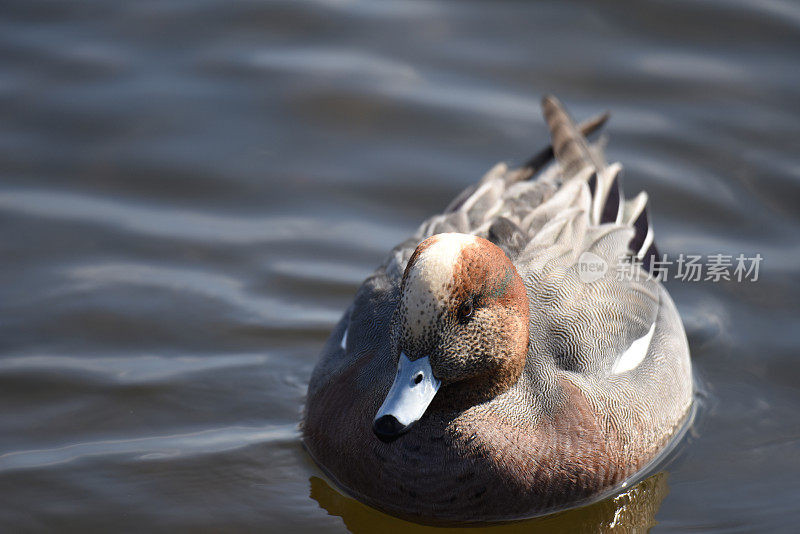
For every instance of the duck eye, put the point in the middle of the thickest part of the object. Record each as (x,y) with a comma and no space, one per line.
(465,310)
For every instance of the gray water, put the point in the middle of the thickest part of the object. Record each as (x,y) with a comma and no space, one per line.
(191,191)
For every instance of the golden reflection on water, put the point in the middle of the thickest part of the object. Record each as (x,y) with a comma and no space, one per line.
(631,511)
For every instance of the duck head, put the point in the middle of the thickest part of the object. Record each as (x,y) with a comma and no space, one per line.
(460,330)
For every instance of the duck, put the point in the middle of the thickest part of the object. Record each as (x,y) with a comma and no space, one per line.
(518,355)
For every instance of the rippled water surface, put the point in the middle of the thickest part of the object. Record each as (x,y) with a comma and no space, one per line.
(191,191)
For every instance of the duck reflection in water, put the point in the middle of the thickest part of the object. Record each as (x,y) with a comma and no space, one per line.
(633,510)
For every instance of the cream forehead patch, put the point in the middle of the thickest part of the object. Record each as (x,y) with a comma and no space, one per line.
(429,281)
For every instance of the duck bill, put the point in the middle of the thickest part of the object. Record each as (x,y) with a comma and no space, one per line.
(410,395)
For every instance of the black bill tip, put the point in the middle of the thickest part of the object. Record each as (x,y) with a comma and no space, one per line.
(388,428)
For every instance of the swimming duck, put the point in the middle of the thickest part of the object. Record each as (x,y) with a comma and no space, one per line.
(515,357)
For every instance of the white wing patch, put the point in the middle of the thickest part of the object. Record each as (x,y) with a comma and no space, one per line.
(632,357)
(343,344)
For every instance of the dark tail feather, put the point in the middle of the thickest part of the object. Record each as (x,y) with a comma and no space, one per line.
(649,257)
(612,203)
(546,155)
(641,227)
(569,145)
(508,236)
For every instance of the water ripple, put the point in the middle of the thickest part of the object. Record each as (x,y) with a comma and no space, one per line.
(228,290)
(139,369)
(326,61)
(181,223)
(153,448)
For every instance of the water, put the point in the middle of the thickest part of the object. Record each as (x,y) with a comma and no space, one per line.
(190,193)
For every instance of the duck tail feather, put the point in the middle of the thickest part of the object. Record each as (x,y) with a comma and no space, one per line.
(612,204)
(508,236)
(569,145)
(546,155)
(644,235)
(607,195)
(633,208)
(634,213)
(650,256)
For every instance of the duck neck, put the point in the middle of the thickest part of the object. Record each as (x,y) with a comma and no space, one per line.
(459,396)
